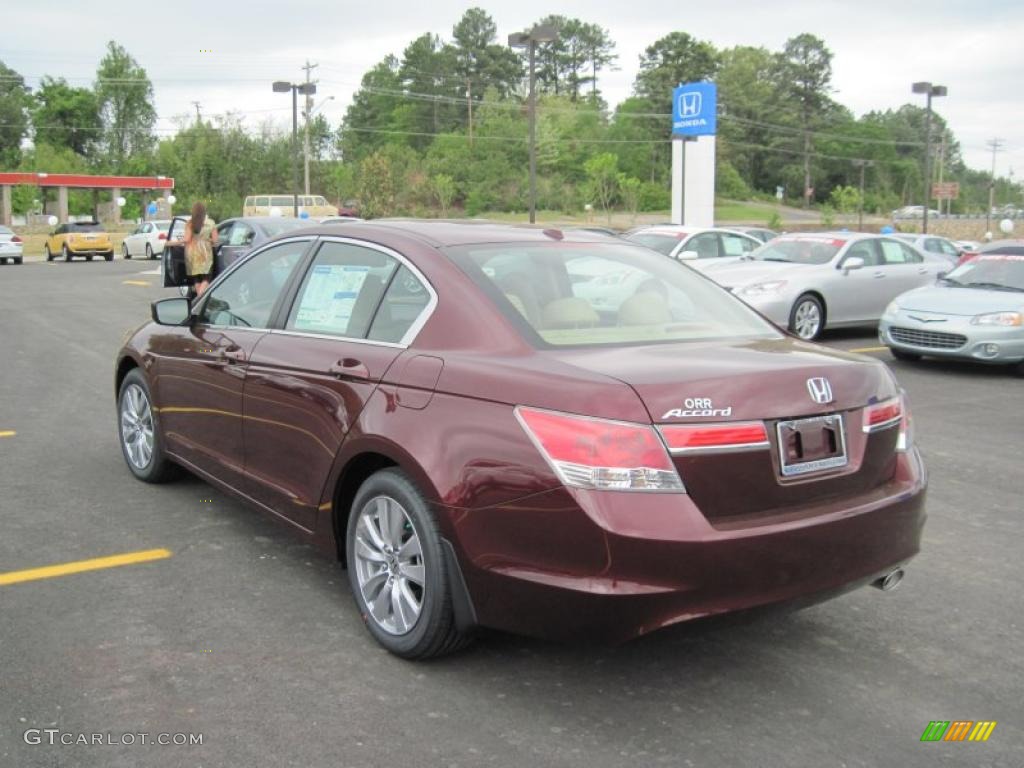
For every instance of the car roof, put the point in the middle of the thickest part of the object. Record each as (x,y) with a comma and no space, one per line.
(444,233)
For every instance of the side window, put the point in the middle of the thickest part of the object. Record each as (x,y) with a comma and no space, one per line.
(706,245)
(865,250)
(241,234)
(224,232)
(281,201)
(932,245)
(262,201)
(341,291)
(404,302)
(318,200)
(247,296)
(898,253)
(734,245)
(948,248)
(248,202)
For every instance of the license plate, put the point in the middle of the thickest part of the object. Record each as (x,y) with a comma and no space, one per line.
(811,445)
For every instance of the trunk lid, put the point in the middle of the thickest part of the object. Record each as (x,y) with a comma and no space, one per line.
(765,382)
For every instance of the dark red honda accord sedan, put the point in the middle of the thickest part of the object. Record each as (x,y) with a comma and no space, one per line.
(556,434)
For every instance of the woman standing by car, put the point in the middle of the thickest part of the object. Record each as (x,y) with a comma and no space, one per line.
(200,238)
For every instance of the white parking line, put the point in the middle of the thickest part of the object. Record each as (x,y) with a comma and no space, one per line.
(156,271)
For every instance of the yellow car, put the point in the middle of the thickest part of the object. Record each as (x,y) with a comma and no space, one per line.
(79,238)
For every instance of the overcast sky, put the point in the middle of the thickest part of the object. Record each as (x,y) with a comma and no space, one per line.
(974,48)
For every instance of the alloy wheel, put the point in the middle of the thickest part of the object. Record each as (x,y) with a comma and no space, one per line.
(137,426)
(389,565)
(807,319)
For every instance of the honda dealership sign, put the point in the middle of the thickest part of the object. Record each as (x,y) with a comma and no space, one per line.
(694,109)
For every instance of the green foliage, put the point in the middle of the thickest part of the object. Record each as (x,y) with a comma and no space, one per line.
(603,179)
(14,103)
(376,186)
(828,215)
(125,98)
(846,200)
(64,116)
(729,183)
(775,221)
(629,191)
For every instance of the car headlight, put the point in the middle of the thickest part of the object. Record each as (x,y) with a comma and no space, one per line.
(762,289)
(998,318)
(892,309)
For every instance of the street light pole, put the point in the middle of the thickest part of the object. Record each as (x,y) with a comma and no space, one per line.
(930,90)
(283,86)
(541,33)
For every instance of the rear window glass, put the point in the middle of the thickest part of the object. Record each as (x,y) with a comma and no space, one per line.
(284,225)
(84,226)
(163,226)
(800,250)
(661,243)
(577,294)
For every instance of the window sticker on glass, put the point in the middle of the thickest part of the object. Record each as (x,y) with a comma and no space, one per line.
(330,295)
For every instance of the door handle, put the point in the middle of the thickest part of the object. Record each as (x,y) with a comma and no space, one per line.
(878,275)
(349,368)
(233,354)
(922,271)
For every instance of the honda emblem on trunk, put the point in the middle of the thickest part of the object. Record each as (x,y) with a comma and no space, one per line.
(820,389)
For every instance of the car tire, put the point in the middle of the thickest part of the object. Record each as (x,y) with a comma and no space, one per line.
(17,259)
(46,250)
(65,253)
(149,252)
(124,251)
(380,575)
(3,261)
(907,357)
(807,318)
(88,257)
(138,427)
(109,256)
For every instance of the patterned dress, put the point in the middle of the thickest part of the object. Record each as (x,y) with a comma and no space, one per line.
(199,251)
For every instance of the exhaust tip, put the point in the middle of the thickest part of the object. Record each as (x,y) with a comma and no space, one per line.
(890,581)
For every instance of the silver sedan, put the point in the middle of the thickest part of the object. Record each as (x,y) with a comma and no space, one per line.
(809,282)
(976,312)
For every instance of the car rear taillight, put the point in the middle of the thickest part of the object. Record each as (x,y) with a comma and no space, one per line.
(15,239)
(688,438)
(162,236)
(890,413)
(600,454)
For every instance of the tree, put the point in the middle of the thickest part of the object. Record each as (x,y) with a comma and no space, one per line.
(14,101)
(674,59)
(64,116)
(444,190)
(603,179)
(567,64)
(629,190)
(371,114)
(376,186)
(125,97)
(479,60)
(805,74)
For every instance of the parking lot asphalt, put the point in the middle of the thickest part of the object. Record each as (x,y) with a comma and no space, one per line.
(251,639)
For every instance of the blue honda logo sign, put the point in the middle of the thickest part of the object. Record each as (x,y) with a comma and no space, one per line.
(694,109)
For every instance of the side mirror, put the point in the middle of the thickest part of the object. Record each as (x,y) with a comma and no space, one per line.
(173,311)
(688,256)
(854,262)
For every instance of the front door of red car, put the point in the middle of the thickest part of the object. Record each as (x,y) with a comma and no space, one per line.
(202,368)
(308,382)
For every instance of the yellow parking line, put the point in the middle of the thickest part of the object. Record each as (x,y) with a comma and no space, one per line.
(98,563)
(868,349)
(135,282)
(8,433)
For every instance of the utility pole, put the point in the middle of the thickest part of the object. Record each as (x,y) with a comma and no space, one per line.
(807,169)
(199,116)
(862,164)
(942,167)
(309,106)
(996,145)
(469,105)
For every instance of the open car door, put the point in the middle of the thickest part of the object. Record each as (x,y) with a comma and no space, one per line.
(174,254)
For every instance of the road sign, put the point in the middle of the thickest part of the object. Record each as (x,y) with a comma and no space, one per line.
(695,109)
(946,190)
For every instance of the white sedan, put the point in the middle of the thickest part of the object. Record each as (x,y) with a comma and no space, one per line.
(147,240)
(696,245)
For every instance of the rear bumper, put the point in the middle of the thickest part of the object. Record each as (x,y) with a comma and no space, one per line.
(633,563)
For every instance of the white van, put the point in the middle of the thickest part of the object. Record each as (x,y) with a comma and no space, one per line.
(283,205)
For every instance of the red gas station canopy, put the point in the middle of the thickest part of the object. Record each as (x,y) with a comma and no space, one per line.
(87,181)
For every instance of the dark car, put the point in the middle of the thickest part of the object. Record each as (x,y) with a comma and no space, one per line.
(235,238)
(436,405)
